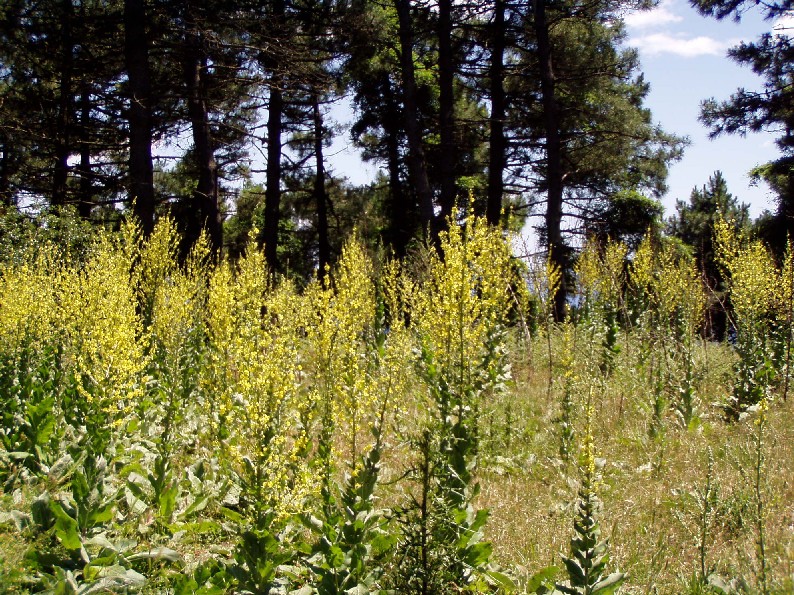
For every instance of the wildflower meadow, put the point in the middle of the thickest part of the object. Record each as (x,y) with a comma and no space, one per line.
(423,425)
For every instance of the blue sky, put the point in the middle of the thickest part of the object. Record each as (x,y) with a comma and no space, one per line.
(683,56)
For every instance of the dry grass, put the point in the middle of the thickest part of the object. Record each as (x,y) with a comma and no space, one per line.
(649,484)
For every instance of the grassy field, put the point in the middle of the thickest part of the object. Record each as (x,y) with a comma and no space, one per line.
(654,487)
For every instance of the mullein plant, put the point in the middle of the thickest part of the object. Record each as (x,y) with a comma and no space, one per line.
(681,300)
(354,538)
(173,301)
(760,496)
(640,288)
(568,405)
(95,324)
(643,314)
(102,334)
(543,278)
(786,317)
(340,316)
(359,352)
(668,300)
(458,311)
(252,380)
(706,499)
(255,371)
(587,564)
(31,366)
(600,273)
(754,286)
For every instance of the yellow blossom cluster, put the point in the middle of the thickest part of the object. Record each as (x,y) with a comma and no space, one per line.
(567,357)
(339,323)
(755,286)
(102,324)
(642,268)
(253,375)
(270,366)
(600,272)
(174,296)
(87,310)
(463,297)
(669,287)
(544,278)
(30,303)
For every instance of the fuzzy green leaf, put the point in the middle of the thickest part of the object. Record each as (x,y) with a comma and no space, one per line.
(609,585)
(575,571)
(542,578)
(65,527)
(159,553)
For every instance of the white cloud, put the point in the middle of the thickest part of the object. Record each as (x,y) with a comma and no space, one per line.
(663,14)
(680,45)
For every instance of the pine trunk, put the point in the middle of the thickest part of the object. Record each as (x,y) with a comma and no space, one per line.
(446,100)
(139,115)
(205,196)
(553,146)
(63,120)
(497,144)
(273,169)
(416,153)
(320,195)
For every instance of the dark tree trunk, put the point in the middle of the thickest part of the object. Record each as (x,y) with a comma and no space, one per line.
(558,253)
(85,201)
(273,170)
(416,153)
(401,212)
(139,116)
(63,120)
(446,76)
(206,194)
(273,173)
(787,207)
(320,195)
(5,176)
(497,144)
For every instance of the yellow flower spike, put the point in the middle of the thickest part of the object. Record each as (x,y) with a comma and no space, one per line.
(31,309)
(544,280)
(587,269)
(600,273)
(341,318)
(158,258)
(255,370)
(755,279)
(463,298)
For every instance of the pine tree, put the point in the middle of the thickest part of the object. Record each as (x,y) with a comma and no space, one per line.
(584,136)
(771,109)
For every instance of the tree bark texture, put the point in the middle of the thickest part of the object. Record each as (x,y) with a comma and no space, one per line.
(497,145)
(275,127)
(553,145)
(320,194)
(139,114)
(206,194)
(416,154)
(63,121)
(446,76)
